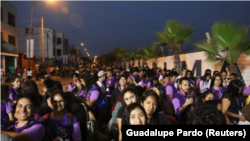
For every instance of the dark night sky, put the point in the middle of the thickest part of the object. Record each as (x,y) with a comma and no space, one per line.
(105,25)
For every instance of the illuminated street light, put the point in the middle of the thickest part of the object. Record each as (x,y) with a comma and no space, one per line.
(85,49)
(82,44)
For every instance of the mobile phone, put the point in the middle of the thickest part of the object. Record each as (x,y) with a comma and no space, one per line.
(189,96)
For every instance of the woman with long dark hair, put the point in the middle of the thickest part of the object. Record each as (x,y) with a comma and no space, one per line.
(134,114)
(47,106)
(217,86)
(151,103)
(233,101)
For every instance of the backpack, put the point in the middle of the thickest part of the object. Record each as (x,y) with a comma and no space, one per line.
(117,100)
(70,121)
(9,126)
(101,103)
(91,128)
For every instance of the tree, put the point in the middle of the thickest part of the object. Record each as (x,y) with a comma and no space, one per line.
(149,53)
(118,52)
(173,36)
(228,42)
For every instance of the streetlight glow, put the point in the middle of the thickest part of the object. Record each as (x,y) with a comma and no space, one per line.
(82,44)
(51,1)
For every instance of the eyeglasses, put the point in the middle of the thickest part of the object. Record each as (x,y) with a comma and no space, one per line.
(61,101)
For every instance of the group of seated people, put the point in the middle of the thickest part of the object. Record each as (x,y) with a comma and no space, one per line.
(160,99)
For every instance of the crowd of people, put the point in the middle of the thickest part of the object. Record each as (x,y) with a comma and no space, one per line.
(120,96)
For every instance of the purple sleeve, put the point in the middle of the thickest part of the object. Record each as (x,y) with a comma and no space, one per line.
(94,95)
(247,91)
(169,90)
(11,96)
(149,85)
(176,104)
(76,131)
(113,82)
(9,107)
(36,132)
(69,87)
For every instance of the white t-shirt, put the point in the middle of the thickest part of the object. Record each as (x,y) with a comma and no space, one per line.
(29,73)
(102,86)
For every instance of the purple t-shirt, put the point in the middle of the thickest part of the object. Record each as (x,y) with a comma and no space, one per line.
(147,82)
(170,89)
(178,100)
(60,128)
(71,85)
(36,131)
(13,93)
(110,81)
(218,93)
(247,90)
(5,109)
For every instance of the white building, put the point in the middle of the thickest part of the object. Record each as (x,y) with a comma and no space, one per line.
(53,44)
(9,45)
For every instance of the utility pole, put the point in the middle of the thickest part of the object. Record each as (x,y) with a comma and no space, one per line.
(42,38)
(47,48)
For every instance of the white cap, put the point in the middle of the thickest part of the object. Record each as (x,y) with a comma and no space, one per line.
(101,73)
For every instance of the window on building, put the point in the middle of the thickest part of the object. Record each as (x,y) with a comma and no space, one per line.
(1,35)
(1,14)
(11,19)
(12,40)
(59,52)
(59,41)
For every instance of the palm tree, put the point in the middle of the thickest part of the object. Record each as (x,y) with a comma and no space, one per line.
(150,53)
(173,36)
(137,55)
(228,42)
(118,52)
(126,57)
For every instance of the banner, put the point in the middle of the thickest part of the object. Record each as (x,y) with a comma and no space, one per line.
(30,48)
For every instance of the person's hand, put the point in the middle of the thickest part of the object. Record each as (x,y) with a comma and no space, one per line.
(188,101)
(242,118)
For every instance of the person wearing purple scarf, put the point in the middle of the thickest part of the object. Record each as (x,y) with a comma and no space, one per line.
(15,89)
(25,128)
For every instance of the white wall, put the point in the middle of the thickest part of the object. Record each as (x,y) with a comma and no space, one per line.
(196,57)
(37,36)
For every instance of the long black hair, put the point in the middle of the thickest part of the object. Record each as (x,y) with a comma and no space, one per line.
(4,93)
(145,95)
(233,89)
(128,110)
(213,79)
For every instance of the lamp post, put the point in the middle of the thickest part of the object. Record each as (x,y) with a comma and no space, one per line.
(30,27)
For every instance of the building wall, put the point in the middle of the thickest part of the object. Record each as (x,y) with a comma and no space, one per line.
(196,62)
(23,36)
(7,29)
(60,46)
